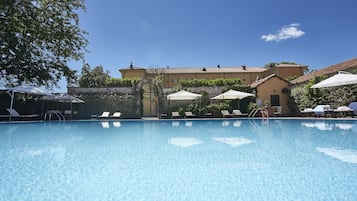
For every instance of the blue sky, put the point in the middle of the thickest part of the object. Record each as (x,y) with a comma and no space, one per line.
(204,33)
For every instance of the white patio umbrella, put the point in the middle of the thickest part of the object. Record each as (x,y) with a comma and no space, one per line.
(183,95)
(342,78)
(25,89)
(233,95)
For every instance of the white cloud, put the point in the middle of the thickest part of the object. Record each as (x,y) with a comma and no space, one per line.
(287,32)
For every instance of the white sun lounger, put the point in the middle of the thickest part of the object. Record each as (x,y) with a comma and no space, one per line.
(116,115)
(104,115)
(225,113)
(14,113)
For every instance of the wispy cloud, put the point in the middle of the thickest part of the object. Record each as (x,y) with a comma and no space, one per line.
(287,32)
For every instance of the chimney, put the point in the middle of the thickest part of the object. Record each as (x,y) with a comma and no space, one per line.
(244,67)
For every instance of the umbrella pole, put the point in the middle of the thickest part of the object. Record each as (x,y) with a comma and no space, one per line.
(12,99)
(12,102)
(43,107)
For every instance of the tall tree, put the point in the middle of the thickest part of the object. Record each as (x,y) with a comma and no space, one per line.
(93,78)
(38,38)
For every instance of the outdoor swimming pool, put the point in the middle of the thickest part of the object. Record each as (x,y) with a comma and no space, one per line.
(208,160)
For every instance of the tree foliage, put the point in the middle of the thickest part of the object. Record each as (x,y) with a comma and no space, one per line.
(272,64)
(38,38)
(306,97)
(121,82)
(93,77)
(209,83)
(98,77)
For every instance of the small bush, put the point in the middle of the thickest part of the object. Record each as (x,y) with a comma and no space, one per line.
(210,83)
(118,82)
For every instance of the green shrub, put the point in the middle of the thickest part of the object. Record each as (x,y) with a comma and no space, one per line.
(306,97)
(210,83)
(121,82)
(215,109)
(252,106)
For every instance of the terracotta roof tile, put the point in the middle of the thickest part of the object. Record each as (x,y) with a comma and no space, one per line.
(206,70)
(261,81)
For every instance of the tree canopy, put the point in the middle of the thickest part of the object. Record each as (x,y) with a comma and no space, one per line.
(272,64)
(38,38)
(93,77)
(98,77)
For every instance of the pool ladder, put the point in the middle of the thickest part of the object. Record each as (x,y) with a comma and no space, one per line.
(51,113)
(255,111)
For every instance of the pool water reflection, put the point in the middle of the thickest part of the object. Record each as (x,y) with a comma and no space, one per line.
(230,159)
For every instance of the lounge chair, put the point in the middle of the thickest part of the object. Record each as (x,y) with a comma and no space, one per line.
(225,113)
(277,110)
(104,115)
(163,115)
(116,115)
(67,112)
(323,110)
(189,115)
(238,113)
(208,114)
(343,111)
(70,114)
(175,115)
(307,112)
(14,114)
(4,115)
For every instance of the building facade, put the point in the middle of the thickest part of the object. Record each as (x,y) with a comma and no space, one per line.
(273,91)
(247,75)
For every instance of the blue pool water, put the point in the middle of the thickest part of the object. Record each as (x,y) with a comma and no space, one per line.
(205,160)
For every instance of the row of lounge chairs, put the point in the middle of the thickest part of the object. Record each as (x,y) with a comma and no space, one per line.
(187,115)
(328,111)
(106,115)
(318,111)
(235,113)
(225,114)
(48,115)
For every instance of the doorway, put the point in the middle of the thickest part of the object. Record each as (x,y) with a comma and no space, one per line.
(150,100)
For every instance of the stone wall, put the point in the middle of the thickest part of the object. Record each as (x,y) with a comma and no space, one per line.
(125,99)
(111,99)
